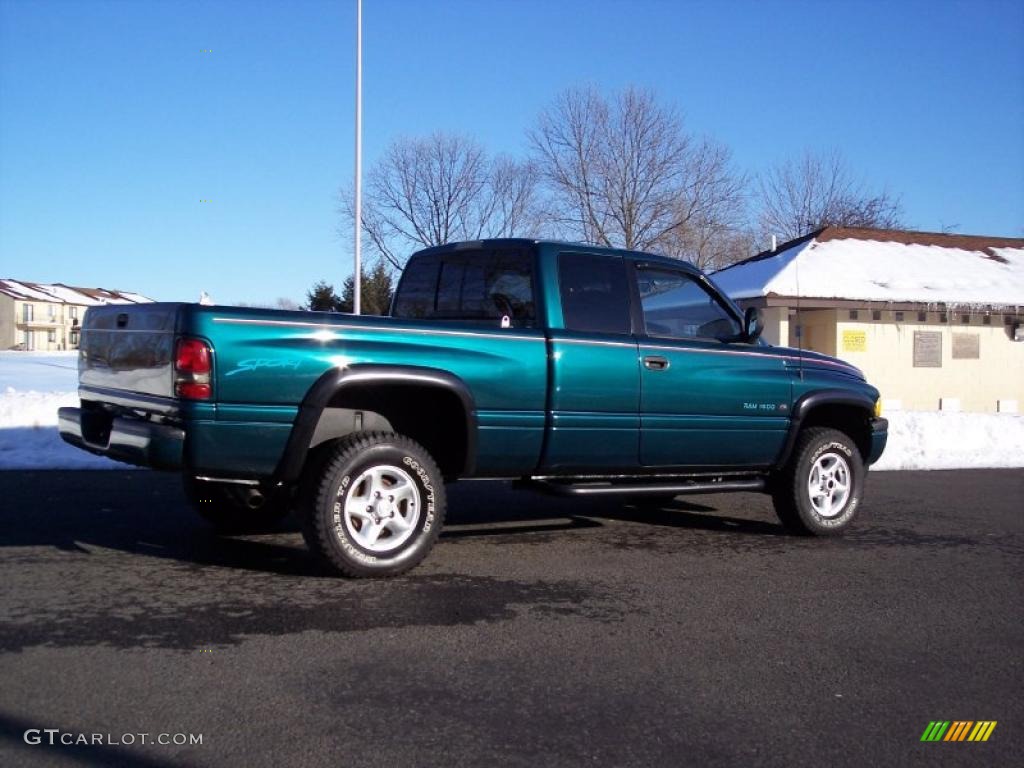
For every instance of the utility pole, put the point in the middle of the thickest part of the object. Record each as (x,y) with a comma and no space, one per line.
(357,280)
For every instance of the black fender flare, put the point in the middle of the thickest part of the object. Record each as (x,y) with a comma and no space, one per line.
(809,402)
(338,379)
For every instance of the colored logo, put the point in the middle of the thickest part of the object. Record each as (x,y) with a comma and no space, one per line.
(958,730)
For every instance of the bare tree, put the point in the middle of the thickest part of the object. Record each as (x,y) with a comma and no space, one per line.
(818,190)
(442,188)
(623,172)
(712,212)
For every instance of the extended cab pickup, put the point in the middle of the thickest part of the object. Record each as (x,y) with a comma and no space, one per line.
(579,370)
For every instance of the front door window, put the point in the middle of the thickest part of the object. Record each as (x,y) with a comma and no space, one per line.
(677,306)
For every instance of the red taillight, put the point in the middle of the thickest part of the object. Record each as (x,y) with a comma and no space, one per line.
(192,391)
(192,368)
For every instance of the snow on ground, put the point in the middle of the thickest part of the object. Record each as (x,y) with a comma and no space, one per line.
(34,385)
(944,440)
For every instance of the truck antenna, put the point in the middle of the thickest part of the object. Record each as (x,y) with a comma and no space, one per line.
(799,319)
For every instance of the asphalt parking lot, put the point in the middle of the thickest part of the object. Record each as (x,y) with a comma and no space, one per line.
(539,632)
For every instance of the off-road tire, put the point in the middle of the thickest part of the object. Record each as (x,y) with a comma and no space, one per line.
(837,457)
(224,506)
(337,487)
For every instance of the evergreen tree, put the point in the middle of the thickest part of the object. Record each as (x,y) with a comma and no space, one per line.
(322,298)
(376,294)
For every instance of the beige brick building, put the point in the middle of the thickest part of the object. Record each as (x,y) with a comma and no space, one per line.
(935,321)
(47,318)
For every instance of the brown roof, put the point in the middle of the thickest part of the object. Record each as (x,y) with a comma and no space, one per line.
(946,240)
(7,290)
(980,243)
(16,290)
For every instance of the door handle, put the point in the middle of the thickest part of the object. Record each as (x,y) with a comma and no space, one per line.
(656,363)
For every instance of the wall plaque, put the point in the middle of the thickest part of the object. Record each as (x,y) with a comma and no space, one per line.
(966,346)
(855,341)
(927,349)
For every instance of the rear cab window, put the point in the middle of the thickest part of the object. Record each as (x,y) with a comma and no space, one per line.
(488,287)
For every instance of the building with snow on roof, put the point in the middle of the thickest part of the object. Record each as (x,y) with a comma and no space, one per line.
(34,316)
(935,321)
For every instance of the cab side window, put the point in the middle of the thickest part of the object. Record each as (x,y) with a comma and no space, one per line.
(676,306)
(595,293)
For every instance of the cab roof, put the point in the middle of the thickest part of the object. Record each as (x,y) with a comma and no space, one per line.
(522,242)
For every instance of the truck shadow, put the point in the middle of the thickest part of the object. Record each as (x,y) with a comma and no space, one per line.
(146,513)
(482,508)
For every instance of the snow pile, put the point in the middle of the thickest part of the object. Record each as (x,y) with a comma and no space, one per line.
(34,385)
(29,438)
(945,440)
(871,270)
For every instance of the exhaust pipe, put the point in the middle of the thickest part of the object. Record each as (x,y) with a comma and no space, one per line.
(254,499)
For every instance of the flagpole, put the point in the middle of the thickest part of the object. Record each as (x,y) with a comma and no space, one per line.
(357,280)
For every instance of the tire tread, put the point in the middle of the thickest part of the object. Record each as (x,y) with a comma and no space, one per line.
(320,479)
(788,486)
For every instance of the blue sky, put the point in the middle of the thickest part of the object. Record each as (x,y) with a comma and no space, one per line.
(114,124)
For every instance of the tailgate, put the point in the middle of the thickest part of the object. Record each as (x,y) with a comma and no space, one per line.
(129,348)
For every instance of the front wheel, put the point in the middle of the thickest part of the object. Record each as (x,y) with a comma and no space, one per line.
(819,491)
(375,505)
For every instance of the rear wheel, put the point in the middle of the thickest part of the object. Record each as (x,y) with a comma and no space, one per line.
(233,508)
(819,491)
(374,506)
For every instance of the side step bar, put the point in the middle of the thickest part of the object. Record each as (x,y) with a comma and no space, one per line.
(581,487)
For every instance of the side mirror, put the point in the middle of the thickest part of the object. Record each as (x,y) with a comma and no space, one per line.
(753,324)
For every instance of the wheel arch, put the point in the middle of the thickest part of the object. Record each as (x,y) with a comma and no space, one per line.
(849,412)
(419,402)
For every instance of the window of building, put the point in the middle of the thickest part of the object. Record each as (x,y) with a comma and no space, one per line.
(854,314)
(899,317)
(676,305)
(1007,319)
(51,336)
(27,313)
(965,319)
(876,314)
(922,317)
(595,293)
(74,338)
(74,312)
(986,320)
(943,318)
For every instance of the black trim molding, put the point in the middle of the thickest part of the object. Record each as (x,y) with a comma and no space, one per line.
(337,379)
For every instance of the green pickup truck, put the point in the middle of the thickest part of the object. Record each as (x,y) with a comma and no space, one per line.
(575,369)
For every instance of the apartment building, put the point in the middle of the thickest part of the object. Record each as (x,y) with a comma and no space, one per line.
(48,318)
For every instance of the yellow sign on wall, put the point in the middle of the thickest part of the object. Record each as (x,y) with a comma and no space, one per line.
(855,341)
